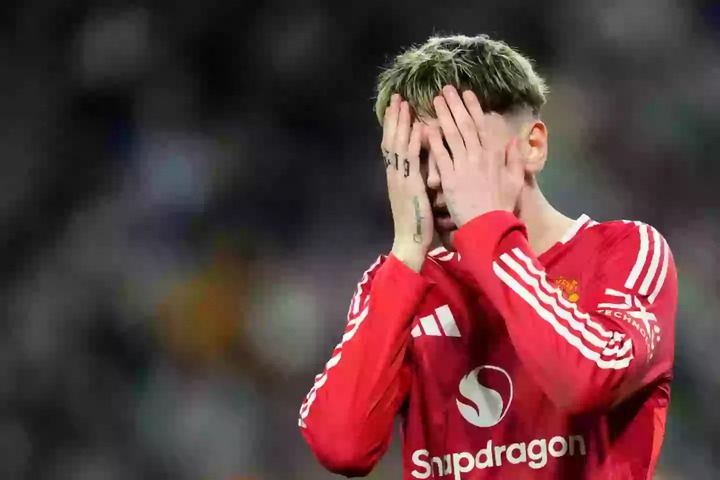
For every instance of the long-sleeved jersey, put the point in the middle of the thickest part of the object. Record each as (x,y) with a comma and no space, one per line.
(506,365)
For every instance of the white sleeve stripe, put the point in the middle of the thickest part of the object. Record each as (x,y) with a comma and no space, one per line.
(356,302)
(353,326)
(641,259)
(558,295)
(354,321)
(333,361)
(663,272)
(611,337)
(559,312)
(650,275)
(356,299)
(355,305)
(533,302)
(360,299)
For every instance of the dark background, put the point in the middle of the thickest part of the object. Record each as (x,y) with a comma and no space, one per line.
(189,192)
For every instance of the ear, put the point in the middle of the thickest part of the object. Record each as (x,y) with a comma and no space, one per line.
(535,147)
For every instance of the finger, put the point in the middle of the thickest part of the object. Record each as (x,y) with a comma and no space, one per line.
(402,135)
(413,153)
(475,110)
(390,124)
(442,156)
(495,132)
(463,120)
(449,129)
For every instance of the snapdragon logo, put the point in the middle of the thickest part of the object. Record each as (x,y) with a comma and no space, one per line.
(535,454)
(483,406)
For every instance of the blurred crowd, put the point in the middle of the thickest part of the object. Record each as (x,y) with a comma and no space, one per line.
(190,191)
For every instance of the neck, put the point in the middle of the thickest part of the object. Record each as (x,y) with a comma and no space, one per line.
(545,225)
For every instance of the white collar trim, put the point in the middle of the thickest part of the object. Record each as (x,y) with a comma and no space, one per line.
(581,222)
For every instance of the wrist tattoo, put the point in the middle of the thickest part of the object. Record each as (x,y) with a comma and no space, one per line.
(417,236)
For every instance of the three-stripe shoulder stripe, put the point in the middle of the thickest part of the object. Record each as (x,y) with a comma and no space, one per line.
(441,323)
(358,311)
(607,349)
(648,273)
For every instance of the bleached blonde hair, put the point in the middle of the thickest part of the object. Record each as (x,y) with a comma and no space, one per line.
(502,78)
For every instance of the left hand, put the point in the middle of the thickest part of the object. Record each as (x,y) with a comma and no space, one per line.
(481,173)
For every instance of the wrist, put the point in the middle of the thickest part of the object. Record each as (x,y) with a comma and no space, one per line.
(413,258)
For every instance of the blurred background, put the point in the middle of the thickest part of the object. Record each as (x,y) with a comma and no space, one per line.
(190,190)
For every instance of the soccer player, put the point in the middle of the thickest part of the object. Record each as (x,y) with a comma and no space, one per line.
(531,346)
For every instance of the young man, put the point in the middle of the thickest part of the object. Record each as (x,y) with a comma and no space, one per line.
(532,346)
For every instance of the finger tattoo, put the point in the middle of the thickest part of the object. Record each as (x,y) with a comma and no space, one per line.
(386,160)
(406,166)
(397,162)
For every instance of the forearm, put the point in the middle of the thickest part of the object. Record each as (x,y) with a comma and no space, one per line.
(366,380)
(580,357)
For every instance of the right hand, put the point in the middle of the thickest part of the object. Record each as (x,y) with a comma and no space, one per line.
(409,202)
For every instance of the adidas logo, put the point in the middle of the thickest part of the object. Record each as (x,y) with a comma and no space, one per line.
(441,324)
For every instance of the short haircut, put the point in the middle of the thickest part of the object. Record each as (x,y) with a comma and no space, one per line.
(501,77)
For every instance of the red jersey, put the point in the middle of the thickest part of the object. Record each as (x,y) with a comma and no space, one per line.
(503,364)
